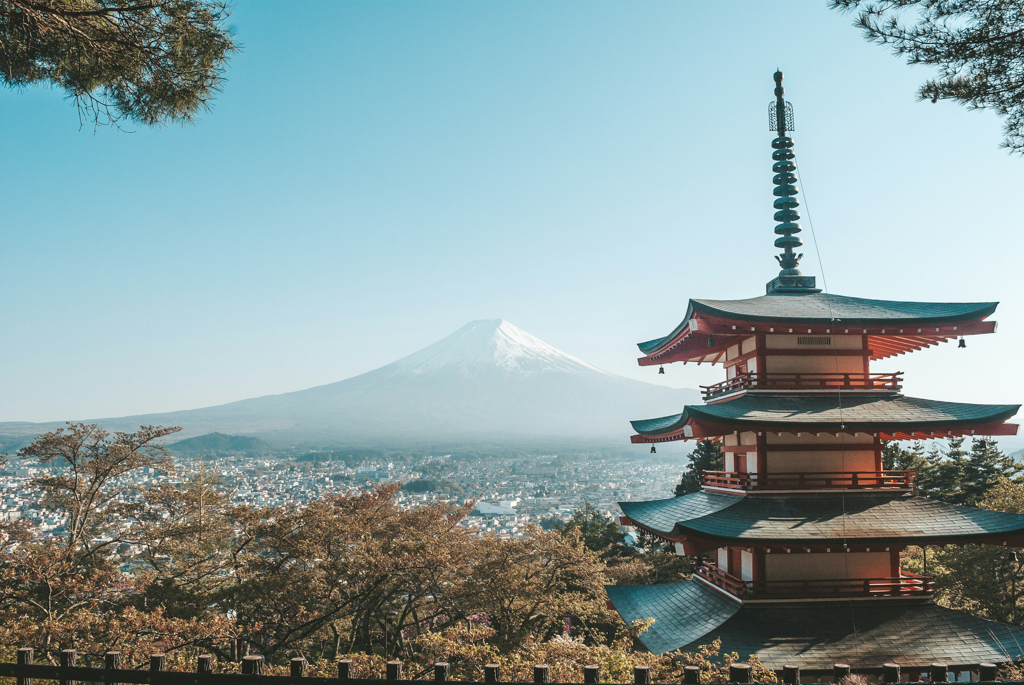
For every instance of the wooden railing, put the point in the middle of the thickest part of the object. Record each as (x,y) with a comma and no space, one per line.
(24,672)
(811,480)
(805,381)
(907,584)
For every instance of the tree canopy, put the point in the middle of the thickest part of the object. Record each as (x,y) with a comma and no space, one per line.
(149,62)
(976,46)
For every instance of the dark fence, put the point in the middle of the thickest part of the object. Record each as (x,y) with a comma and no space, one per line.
(253,667)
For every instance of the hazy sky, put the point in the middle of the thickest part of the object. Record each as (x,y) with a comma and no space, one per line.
(376,174)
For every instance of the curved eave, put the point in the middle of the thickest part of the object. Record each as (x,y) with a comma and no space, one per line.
(707,331)
(703,521)
(911,418)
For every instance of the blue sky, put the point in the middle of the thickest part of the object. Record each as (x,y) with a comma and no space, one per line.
(376,174)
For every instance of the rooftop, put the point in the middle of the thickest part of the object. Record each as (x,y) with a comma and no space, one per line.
(891,415)
(820,519)
(816,636)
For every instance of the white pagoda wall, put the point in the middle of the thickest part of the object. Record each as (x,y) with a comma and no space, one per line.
(826,566)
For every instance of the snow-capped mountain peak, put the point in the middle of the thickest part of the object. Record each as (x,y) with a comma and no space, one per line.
(490,345)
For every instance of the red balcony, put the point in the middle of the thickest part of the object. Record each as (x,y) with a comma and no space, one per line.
(906,585)
(812,480)
(888,382)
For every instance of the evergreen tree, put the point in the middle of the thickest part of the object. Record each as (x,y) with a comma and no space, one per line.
(974,46)
(706,457)
(151,62)
(599,532)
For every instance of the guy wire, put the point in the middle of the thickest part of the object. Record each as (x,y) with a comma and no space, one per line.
(839,396)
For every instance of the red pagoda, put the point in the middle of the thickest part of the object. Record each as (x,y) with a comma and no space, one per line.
(803,526)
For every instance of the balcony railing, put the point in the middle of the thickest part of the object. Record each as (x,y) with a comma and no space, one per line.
(812,480)
(906,585)
(805,381)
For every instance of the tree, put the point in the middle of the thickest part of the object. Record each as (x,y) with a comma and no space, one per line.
(88,482)
(953,474)
(599,533)
(148,62)
(984,580)
(976,45)
(706,457)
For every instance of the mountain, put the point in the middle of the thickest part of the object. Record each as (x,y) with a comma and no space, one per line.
(215,444)
(487,381)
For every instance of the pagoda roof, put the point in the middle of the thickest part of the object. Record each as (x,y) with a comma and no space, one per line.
(820,519)
(907,325)
(814,636)
(824,308)
(890,415)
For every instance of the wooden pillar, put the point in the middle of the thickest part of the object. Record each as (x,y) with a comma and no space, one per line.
(591,675)
(68,659)
(739,673)
(987,672)
(691,675)
(394,670)
(253,664)
(25,658)
(158,662)
(762,455)
(344,669)
(791,675)
(890,673)
(492,673)
(204,664)
(840,671)
(541,674)
(641,675)
(298,667)
(112,662)
(441,671)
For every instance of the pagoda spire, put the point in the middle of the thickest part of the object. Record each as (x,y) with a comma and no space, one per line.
(780,119)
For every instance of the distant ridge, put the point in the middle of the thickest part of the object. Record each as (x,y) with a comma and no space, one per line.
(215,444)
(488,381)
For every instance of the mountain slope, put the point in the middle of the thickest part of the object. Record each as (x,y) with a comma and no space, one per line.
(487,381)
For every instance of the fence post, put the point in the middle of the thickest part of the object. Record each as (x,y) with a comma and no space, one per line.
(939,673)
(394,670)
(541,673)
(890,673)
(441,672)
(111,662)
(641,675)
(204,664)
(344,669)
(691,675)
(158,662)
(298,667)
(739,673)
(840,671)
(24,659)
(591,675)
(68,659)
(252,664)
(791,675)
(492,673)
(987,672)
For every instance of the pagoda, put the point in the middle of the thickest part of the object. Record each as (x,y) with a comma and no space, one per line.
(800,535)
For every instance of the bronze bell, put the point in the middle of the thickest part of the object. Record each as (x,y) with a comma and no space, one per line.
(661,370)
(711,341)
(963,343)
(653,451)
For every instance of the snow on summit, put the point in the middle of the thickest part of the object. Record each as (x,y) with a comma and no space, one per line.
(488,345)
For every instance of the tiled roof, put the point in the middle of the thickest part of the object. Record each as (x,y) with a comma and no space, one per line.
(682,612)
(822,308)
(820,518)
(816,635)
(829,412)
